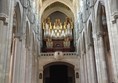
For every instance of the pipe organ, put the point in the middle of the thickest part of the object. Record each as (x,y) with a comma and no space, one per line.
(57,35)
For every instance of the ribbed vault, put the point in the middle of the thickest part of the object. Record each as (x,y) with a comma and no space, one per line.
(48,3)
(57,6)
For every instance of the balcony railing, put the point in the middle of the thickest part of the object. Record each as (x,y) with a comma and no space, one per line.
(64,54)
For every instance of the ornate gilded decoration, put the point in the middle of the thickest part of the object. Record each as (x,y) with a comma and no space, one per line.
(57,31)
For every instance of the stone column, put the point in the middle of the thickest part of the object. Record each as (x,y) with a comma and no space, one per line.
(91,46)
(85,68)
(34,69)
(77,79)
(23,58)
(17,65)
(3,42)
(101,62)
(92,64)
(114,6)
(26,56)
(28,67)
(101,72)
(5,38)
(88,66)
(40,76)
(4,6)
(82,68)
(82,78)
(112,22)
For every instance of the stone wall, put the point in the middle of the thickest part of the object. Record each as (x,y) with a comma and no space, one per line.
(98,65)
(17,59)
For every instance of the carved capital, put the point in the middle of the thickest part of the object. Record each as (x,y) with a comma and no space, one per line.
(99,35)
(4,18)
(114,17)
(18,36)
(83,53)
(90,45)
(94,36)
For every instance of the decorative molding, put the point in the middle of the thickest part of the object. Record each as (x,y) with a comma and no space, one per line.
(18,36)
(4,18)
(83,53)
(99,35)
(114,17)
(58,55)
(90,45)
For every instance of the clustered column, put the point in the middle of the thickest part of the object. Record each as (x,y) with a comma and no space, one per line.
(5,38)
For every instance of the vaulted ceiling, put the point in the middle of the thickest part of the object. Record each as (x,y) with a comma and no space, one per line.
(57,6)
(67,7)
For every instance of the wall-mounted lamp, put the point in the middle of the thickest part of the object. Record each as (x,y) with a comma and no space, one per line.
(77,75)
(40,75)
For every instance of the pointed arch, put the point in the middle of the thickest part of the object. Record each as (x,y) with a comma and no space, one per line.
(18,16)
(103,33)
(100,16)
(90,33)
(49,2)
(58,62)
(61,7)
(84,43)
(27,35)
(50,11)
(58,70)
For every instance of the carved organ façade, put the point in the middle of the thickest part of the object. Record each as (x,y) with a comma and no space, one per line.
(57,36)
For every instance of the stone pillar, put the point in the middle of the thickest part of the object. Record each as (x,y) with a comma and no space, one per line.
(82,77)
(34,69)
(26,56)
(87,59)
(92,47)
(23,57)
(114,47)
(85,68)
(77,79)
(28,67)
(92,64)
(3,57)
(5,38)
(100,60)
(40,76)
(112,21)
(82,65)
(4,6)
(114,6)
(17,65)
(88,66)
